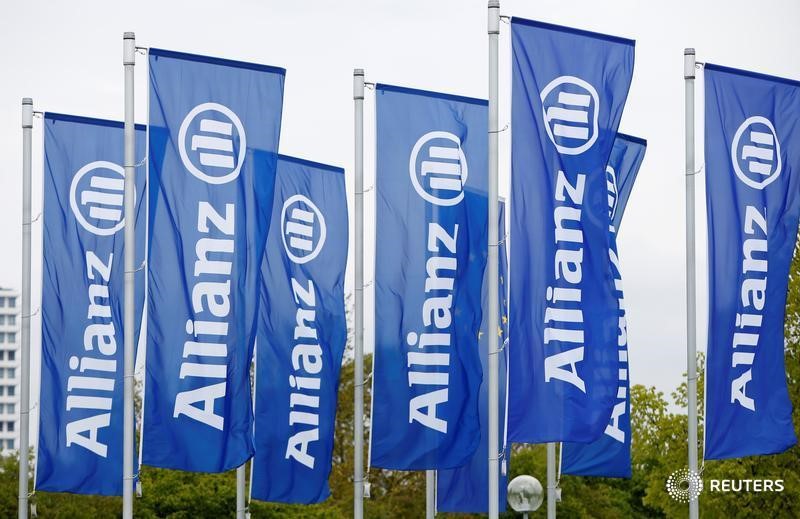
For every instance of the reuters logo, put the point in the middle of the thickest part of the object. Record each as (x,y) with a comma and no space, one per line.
(571,108)
(684,485)
(438,168)
(302,228)
(212,143)
(96,197)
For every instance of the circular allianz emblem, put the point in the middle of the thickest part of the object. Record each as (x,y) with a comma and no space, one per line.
(96,197)
(438,168)
(570,107)
(212,143)
(613,191)
(756,152)
(303,229)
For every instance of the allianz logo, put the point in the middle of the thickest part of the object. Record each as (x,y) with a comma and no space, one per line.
(613,191)
(756,152)
(438,168)
(570,107)
(212,143)
(96,197)
(303,229)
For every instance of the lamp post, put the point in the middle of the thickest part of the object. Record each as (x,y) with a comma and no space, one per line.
(525,494)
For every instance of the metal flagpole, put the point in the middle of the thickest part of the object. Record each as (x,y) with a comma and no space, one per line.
(691,301)
(128,61)
(358,282)
(430,494)
(551,480)
(241,508)
(25,376)
(492,265)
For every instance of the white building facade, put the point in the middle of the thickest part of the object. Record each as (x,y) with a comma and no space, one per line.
(9,369)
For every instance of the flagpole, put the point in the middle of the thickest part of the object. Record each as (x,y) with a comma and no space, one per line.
(551,480)
(430,494)
(25,368)
(492,266)
(358,282)
(128,61)
(691,297)
(241,508)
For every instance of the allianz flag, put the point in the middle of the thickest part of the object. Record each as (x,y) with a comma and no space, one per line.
(610,455)
(431,241)
(466,488)
(81,396)
(568,91)
(214,128)
(752,149)
(623,167)
(302,331)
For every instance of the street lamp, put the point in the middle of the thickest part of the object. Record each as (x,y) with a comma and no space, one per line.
(525,494)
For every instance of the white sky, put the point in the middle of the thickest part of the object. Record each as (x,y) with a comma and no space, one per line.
(68,57)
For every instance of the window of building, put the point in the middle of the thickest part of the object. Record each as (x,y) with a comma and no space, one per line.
(2,408)
(10,426)
(11,372)
(11,390)
(12,302)
(12,337)
(12,320)
(3,355)
(2,302)
(2,372)
(10,444)
(2,319)
(11,408)
(2,426)
(2,337)
(12,355)
(2,390)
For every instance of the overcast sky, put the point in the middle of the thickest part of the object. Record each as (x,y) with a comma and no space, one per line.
(68,57)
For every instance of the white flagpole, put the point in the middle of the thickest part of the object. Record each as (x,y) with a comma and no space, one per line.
(430,494)
(691,297)
(358,282)
(492,265)
(551,480)
(128,61)
(241,508)
(25,347)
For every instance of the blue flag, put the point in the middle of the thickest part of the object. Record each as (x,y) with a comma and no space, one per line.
(623,167)
(214,128)
(752,148)
(610,455)
(301,334)
(81,399)
(466,488)
(431,240)
(568,91)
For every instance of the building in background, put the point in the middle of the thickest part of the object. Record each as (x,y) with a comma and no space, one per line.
(9,369)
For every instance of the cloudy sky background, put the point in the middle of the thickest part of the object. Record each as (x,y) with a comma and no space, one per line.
(68,57)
